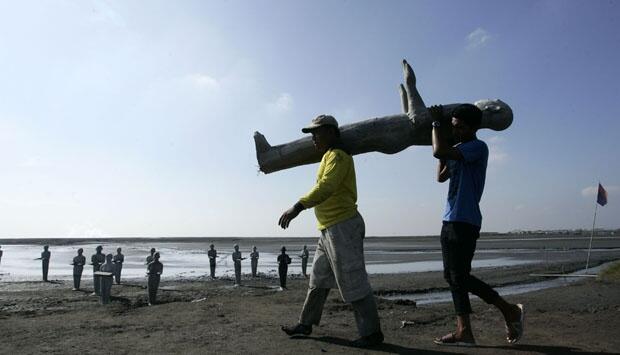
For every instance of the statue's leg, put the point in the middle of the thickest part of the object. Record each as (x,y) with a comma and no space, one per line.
(416,109)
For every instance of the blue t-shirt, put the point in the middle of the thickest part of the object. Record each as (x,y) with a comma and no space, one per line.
(467,183)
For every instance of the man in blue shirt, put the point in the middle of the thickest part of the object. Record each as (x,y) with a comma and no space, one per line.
(465,164)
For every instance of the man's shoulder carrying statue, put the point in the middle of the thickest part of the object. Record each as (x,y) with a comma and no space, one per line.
(387,134)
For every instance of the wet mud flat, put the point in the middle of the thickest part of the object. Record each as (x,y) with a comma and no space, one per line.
(205,316)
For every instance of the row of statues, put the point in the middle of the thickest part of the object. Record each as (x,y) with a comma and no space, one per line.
(283,261)
(107,269)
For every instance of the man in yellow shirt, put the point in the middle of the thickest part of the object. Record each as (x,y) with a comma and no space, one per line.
(339,257)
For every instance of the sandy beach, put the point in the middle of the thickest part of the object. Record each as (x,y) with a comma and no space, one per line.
(204,316)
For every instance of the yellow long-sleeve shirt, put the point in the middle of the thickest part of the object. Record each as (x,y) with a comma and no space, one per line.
(334,196)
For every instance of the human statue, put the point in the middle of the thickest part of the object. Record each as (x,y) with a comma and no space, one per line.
(106,273)
(45,261)
(212,254)
(151,256)
(236,257)
(118,261)
(96,260)
(387,134)
(0,254)
(154,270)
(304,260)
(283,261)
(254,260)
(78,266)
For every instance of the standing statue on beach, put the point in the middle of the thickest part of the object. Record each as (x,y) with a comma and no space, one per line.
(212,254)
(236,257)
(96,260)
(154,270)
(387,134)
(106,273)
(254,260)
(78,266)
(283,261)
(304,260)
(45,261)
(0,254)
(118,261)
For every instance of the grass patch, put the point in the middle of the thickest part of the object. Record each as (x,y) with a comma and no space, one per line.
(612,273)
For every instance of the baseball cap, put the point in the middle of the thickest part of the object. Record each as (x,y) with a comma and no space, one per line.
(320,120)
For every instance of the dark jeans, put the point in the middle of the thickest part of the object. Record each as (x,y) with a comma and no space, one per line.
(458,244)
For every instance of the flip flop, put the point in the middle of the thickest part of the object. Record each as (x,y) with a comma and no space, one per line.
(516,327)
(449,340)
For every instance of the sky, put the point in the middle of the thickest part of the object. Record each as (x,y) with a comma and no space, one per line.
(135,118)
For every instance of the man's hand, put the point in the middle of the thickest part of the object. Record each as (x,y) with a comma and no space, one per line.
(289,215)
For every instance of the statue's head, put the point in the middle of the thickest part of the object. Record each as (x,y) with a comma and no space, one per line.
(152,251)
(45,247)
(156,256)
(496,114)
(236,247)
(99,248)
(254,248)
(108,258)
(211,246)
(283,249)
(118,250)
(80,251)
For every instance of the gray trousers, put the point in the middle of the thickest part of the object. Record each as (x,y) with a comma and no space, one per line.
(152,286)
(117,273)
(212,266)
(77,277)
(106,289)
(97,284)
(238,273)
(365,311)
(254,267)
(339,263)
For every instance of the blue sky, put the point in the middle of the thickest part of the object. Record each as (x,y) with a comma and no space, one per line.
(135,118)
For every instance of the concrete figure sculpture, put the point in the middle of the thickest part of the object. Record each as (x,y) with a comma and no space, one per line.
(118,261)
(106,273)
(304,260)
(236,257)
(212,254)
(387,134)
(78,266)
(254,255)
(154,270)
(283,261)
(150,257)
(45,261)
(96,260)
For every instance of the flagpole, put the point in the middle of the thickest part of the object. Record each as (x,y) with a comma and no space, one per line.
(591,236)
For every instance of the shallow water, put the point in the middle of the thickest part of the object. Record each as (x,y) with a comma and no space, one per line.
(446,296)
(189,259)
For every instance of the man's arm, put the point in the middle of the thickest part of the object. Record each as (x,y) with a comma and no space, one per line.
(443,173)
(441,148)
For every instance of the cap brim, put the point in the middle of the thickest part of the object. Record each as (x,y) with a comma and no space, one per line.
(309,129)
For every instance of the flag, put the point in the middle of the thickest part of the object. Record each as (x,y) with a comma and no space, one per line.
(601,198)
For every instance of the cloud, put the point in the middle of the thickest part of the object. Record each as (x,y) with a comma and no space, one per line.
(590,191)
(34,162)
(284,103)
(478,38)
(203,81)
